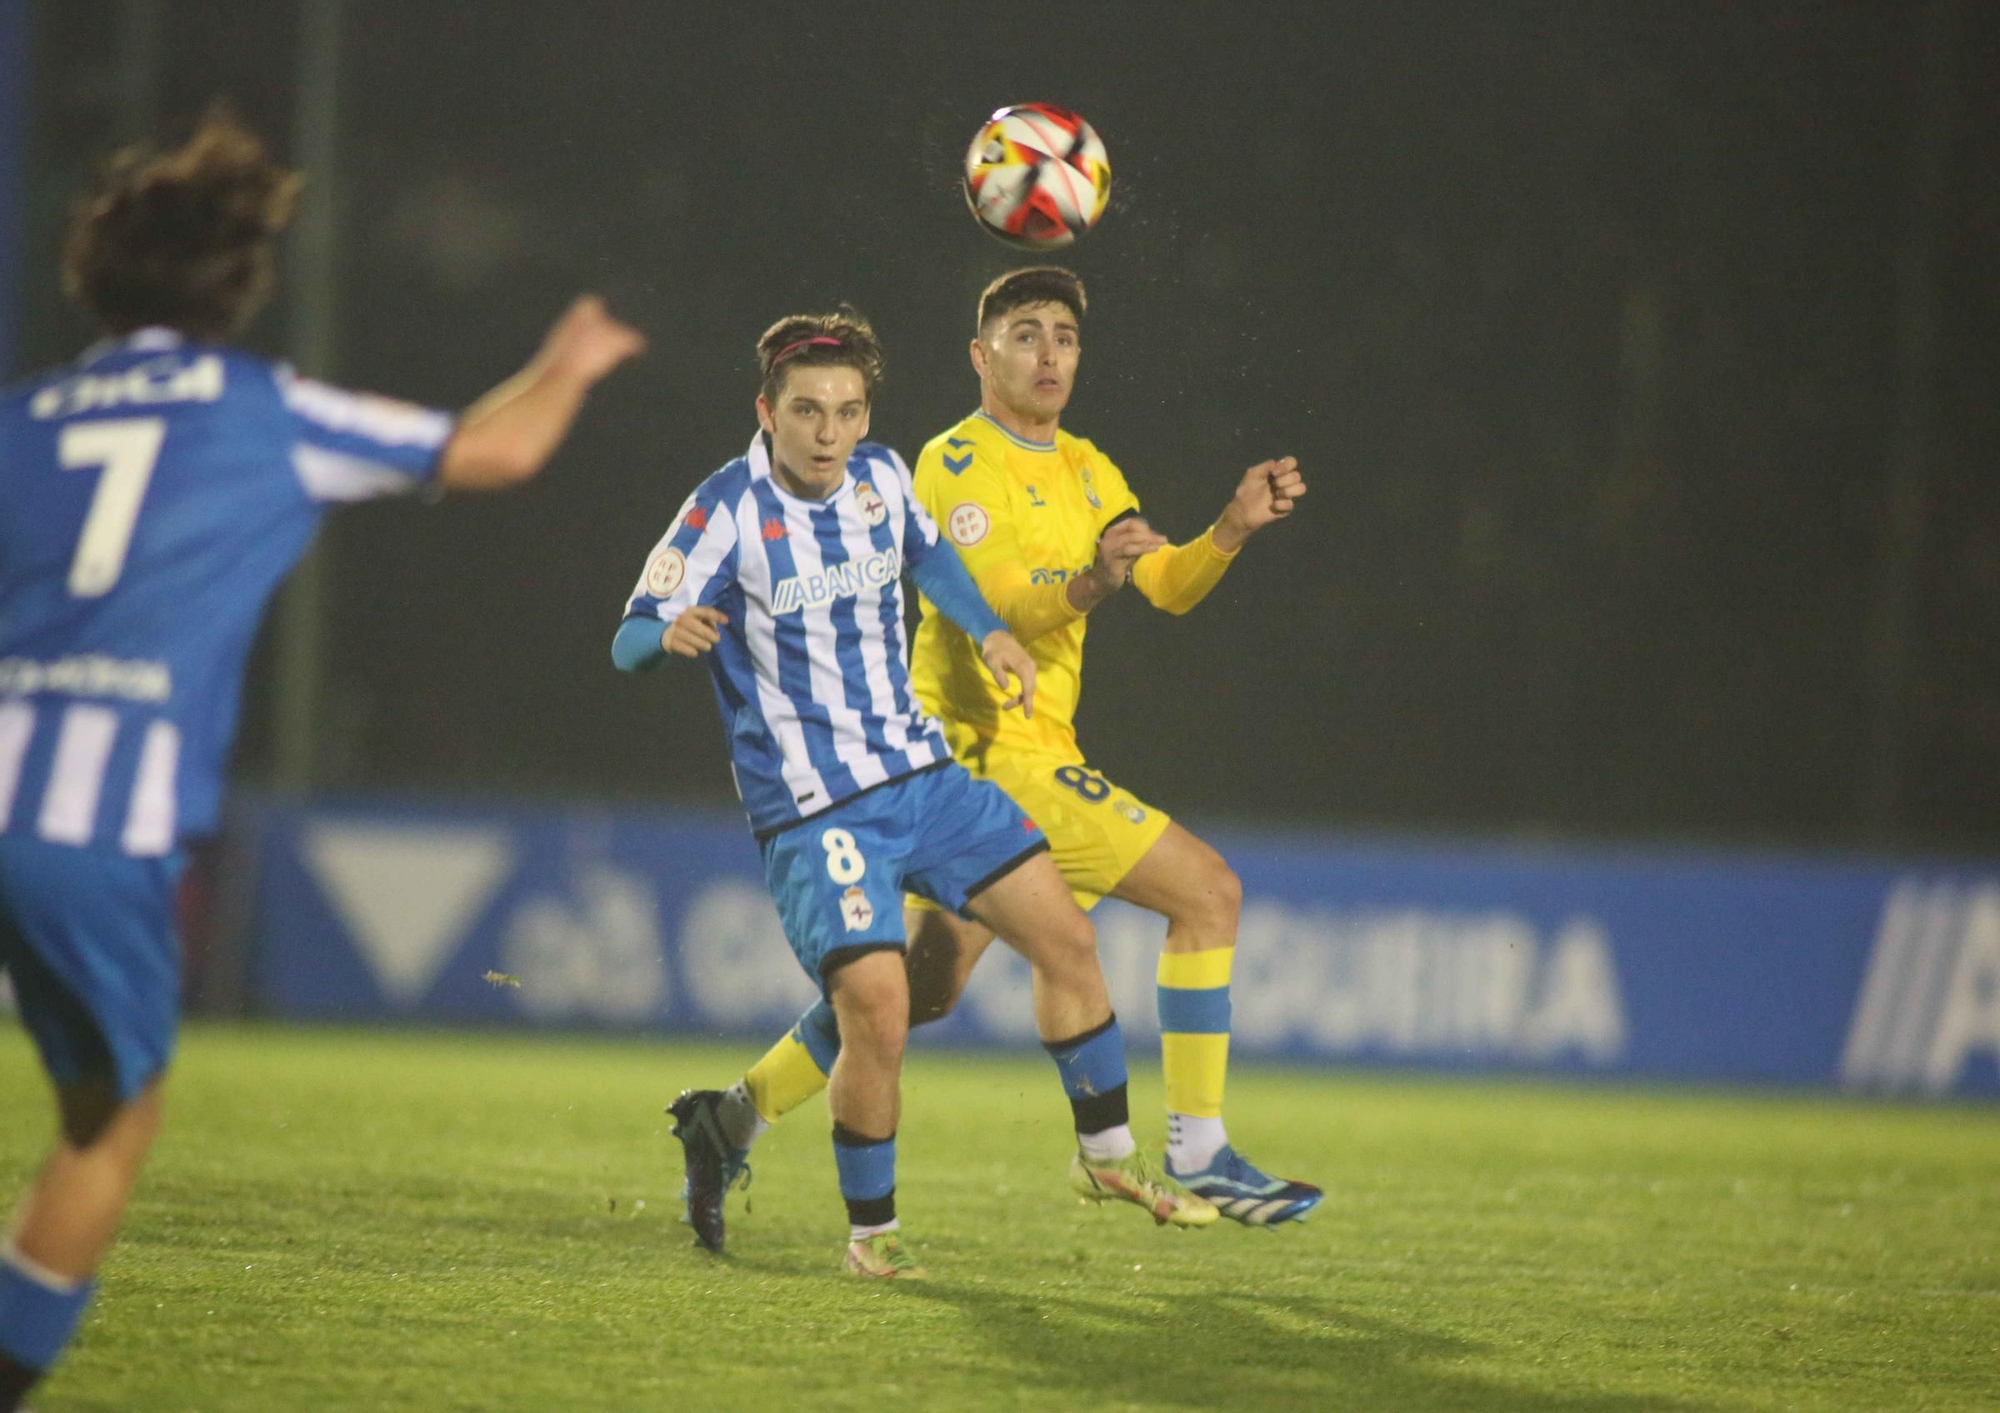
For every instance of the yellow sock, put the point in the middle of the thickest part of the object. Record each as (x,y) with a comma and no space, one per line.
(1194,1029)
(785,1078)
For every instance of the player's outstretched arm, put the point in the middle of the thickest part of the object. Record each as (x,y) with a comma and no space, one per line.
(509,434)
(1177,579)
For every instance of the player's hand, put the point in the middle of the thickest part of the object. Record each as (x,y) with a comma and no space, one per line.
(587,342)
(1267,492)
(696,631)
(1005,658)
(1119,548)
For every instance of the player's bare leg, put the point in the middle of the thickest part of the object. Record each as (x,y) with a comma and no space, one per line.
(1032,909)
(944,948)
(66,1223)
(871,1000)
(1190,884)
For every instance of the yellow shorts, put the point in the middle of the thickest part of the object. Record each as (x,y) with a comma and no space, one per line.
(1097,831)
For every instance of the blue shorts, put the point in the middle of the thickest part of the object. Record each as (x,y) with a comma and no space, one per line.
(88,937)
(838,878)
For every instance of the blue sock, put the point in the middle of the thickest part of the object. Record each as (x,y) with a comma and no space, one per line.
(867,1176)
(1092,1066)
(37,1317)
(819,1032)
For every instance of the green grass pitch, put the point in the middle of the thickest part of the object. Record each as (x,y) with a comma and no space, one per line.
(360,1220)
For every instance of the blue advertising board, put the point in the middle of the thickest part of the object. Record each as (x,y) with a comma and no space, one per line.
(1864,975)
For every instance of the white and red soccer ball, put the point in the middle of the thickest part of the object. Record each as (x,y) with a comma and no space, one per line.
(1037,176)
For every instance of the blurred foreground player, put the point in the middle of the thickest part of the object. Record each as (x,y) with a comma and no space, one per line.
(785,570)
(152,496)
(1049,529)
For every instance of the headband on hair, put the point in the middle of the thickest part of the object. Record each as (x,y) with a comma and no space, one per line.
(792,348)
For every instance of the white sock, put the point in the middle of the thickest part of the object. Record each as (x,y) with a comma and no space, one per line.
(855,1233)
(1192,1143)
(741,1123)
(1108,1145)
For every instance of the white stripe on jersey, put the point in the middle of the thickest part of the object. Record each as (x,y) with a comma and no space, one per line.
(149,824)
(335,476)
(868,613)
(381,419)
(69,803)
(17,728)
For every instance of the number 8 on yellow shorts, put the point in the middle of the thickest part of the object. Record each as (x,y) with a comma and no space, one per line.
(1097,831)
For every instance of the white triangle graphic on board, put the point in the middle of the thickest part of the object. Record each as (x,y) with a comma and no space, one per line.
(407,892)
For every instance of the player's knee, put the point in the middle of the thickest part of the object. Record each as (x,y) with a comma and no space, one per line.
(874,1010)
(877,1033)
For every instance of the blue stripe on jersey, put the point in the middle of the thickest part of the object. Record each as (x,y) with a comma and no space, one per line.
(847,645)
(883,537)
(794,654)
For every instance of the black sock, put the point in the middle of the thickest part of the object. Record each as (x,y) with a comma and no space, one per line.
(1097,1112)
(872,1211)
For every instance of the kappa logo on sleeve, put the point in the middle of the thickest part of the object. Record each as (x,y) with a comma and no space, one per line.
(869,502)
(968,523)
(665,572)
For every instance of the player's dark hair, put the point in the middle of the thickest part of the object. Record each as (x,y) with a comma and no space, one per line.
(186,238)
(841,339)
(1037,284)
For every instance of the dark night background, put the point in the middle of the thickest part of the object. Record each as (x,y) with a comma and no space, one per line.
(1641,356)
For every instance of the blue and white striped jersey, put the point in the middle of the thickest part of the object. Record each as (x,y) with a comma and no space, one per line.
(152,496)
(812,673)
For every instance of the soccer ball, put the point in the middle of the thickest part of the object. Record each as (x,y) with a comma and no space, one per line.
(1037,176)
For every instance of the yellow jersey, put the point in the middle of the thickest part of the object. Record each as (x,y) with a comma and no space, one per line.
(1025,517)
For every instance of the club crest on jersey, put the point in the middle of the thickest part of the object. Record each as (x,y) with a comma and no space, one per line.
(664,573)
(967,523)
(856,912)
(836,581)
(869,502)
(1090,491)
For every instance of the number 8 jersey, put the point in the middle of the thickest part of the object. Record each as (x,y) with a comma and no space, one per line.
(151,499)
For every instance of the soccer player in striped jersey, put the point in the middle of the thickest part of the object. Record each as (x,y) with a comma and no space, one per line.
(151,498)
(1049,529)
(784,570)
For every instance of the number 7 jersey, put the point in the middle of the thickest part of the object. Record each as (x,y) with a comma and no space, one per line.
(152,497)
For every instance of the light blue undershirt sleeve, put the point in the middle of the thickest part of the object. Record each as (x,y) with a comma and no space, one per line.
(637,646)
(946,582)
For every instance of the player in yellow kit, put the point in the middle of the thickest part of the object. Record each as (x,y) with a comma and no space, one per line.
(1049,529)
